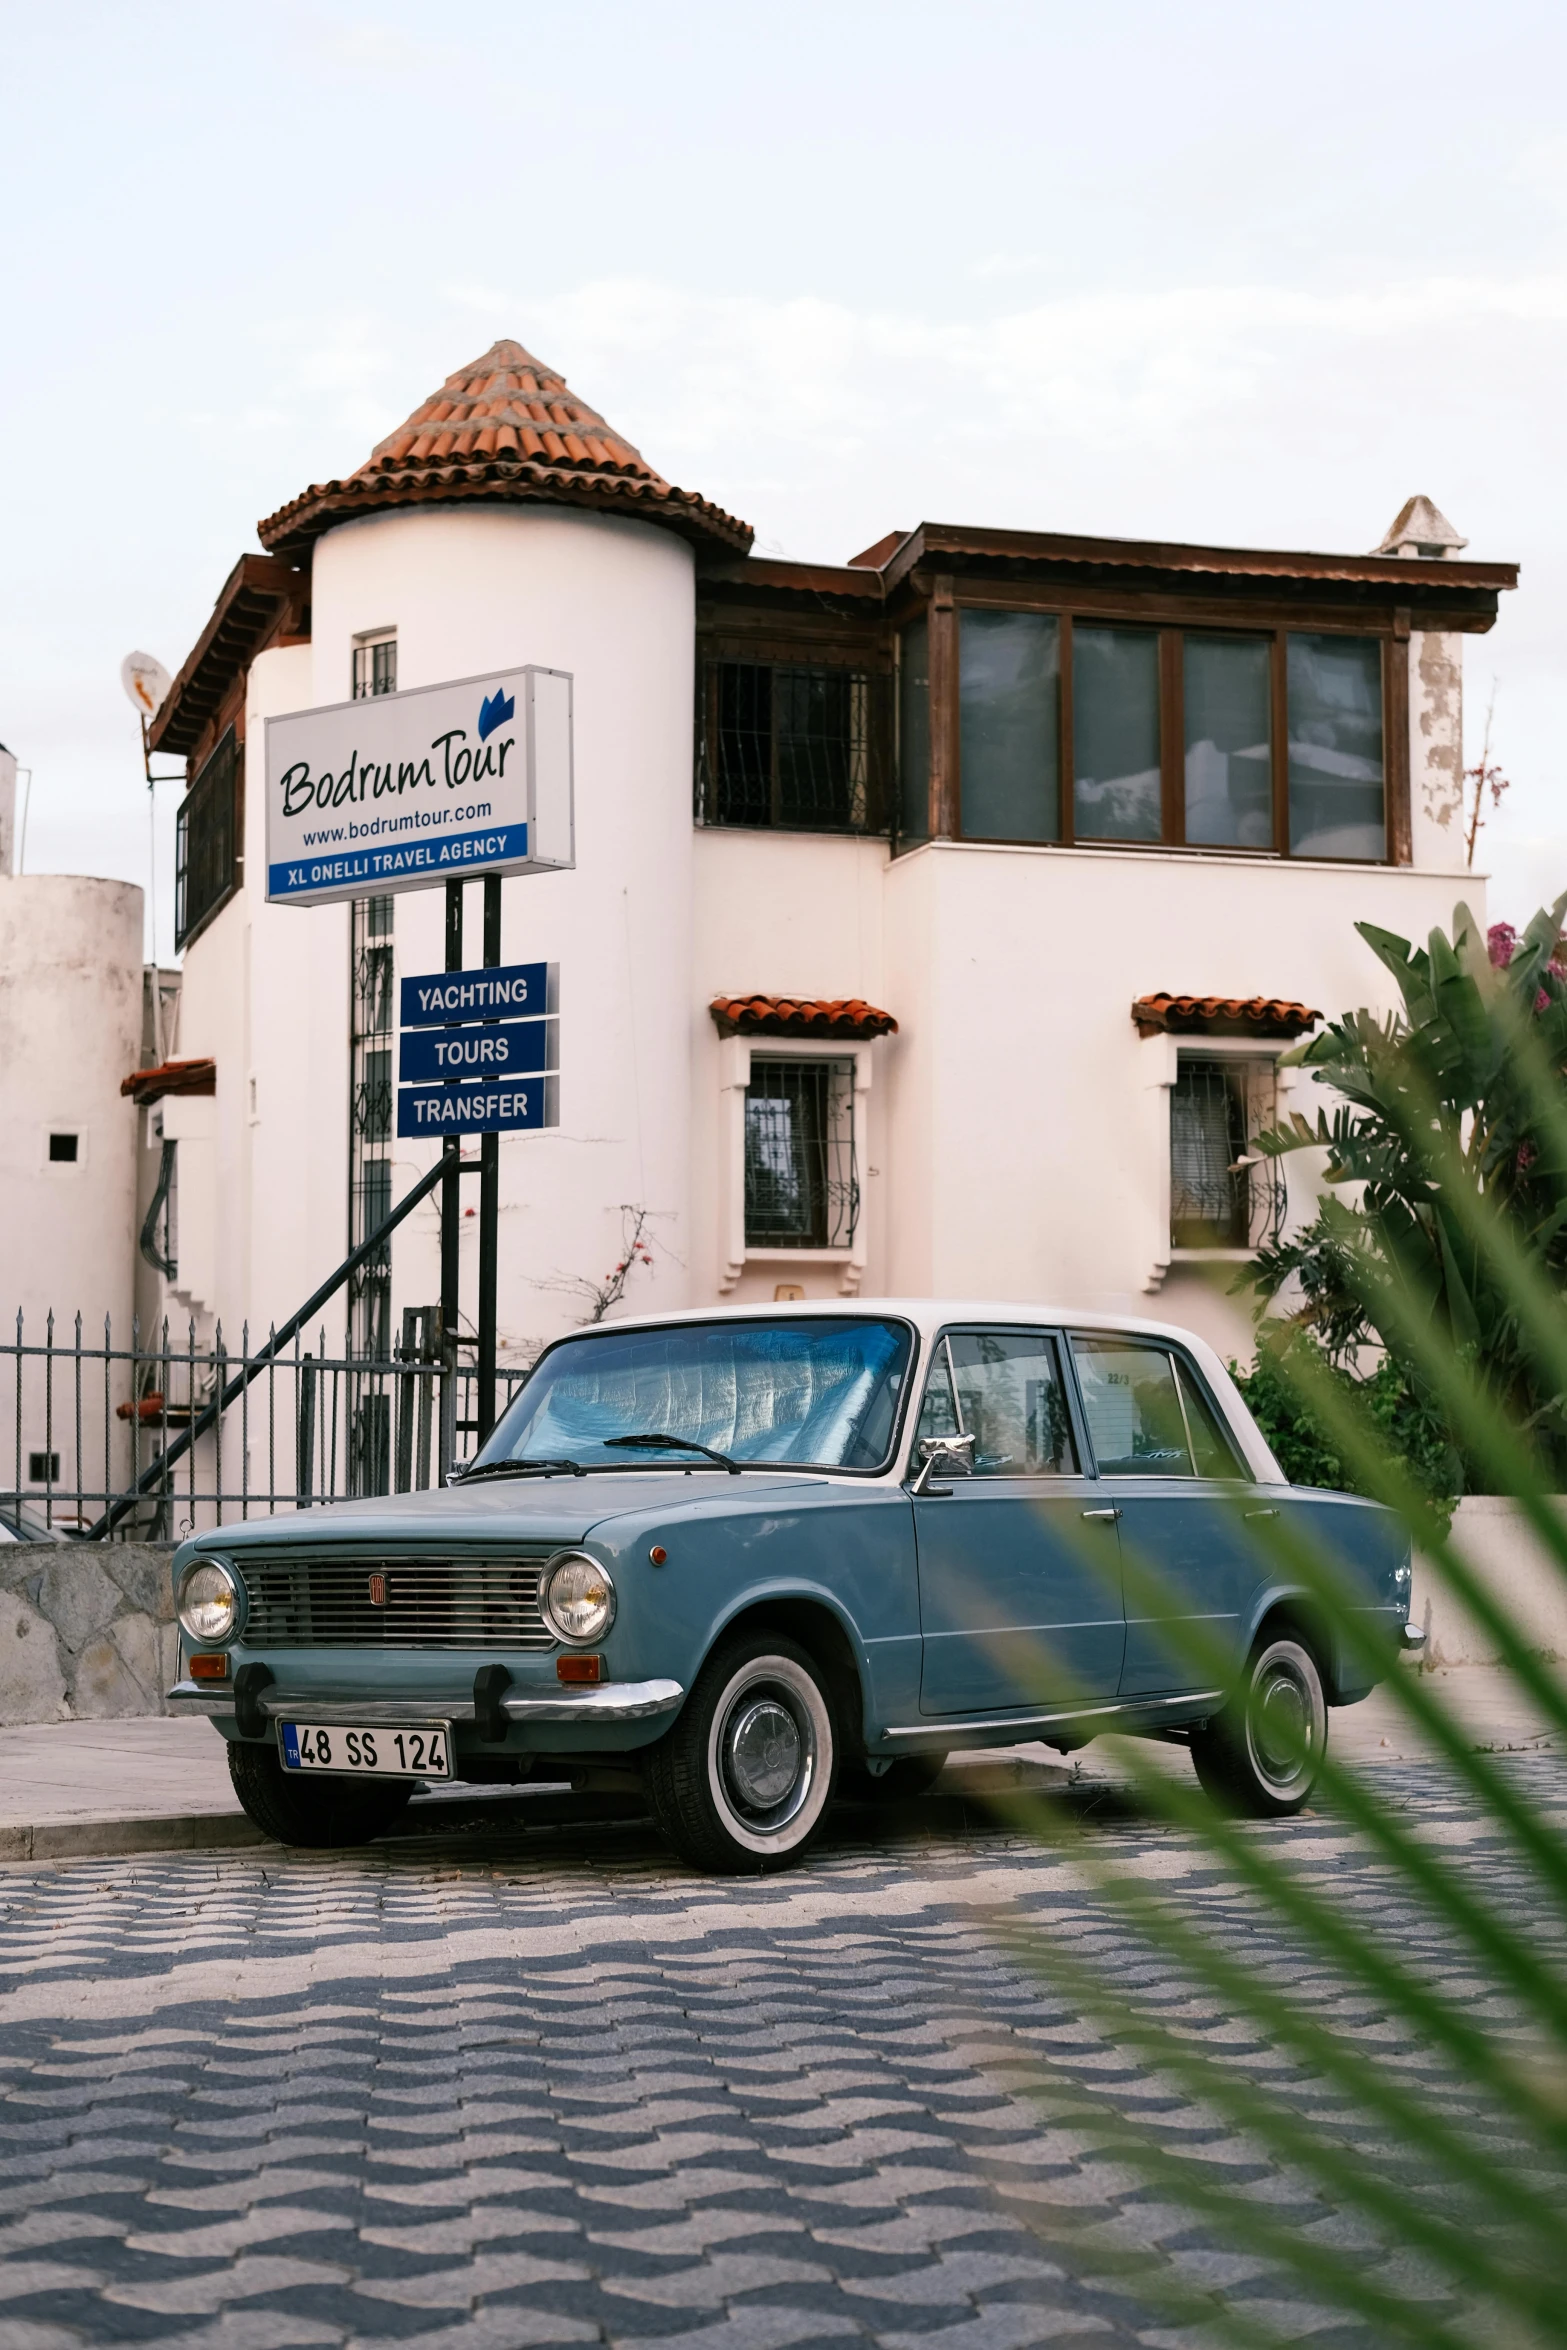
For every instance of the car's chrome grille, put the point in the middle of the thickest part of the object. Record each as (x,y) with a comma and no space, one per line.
(359,1602)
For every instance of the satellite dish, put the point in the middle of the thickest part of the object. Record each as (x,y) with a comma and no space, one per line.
(146,682)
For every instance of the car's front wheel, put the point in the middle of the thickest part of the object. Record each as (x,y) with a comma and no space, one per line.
(1261,1755)
(742,1781)
(312,1811)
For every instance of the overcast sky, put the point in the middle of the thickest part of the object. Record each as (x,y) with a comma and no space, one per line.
(1214,272)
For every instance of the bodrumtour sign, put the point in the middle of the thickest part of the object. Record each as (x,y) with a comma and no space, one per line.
(437,784)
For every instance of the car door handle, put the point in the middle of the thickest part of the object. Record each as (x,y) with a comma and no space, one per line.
(1112,1515)
(1262,1513)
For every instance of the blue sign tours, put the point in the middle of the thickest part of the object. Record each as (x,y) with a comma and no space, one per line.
(491,1074)
(499,1048)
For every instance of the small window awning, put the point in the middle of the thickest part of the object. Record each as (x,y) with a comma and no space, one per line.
(835,1020)
(146,1086)
(1222,1015)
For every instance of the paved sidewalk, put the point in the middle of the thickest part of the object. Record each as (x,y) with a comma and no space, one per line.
(83,1789)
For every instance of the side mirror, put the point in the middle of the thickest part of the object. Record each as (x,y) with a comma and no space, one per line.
(931,1449)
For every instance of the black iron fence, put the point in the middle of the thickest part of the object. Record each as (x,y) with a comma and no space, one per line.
(90,1420)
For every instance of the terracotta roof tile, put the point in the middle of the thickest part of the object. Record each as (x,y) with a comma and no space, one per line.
(846,1019)
(150,1085)
(1222,1015)
(478,437)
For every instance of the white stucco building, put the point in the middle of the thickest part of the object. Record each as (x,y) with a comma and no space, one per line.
(938,918)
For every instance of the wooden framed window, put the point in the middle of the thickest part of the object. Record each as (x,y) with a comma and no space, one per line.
(785,745)
(207,841)
(1094,728)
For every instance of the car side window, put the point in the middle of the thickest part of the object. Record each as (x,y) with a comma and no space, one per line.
(1003,1388)
(1212,1448)
(1133,1405)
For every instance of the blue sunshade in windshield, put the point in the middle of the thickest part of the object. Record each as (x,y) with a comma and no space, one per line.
(820,1394)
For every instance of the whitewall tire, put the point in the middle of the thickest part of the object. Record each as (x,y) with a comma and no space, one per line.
(743,1779)
(1261,1756)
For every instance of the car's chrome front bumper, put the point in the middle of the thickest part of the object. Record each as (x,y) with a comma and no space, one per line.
(611,1701)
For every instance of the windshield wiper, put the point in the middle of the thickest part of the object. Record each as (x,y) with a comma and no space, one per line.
(651,1443)
(521,1469)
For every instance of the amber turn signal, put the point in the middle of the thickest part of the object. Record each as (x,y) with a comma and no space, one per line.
(579,1668)
(209,1668)
(658,1554)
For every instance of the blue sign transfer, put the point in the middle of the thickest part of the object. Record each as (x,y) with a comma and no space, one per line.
(518,1107)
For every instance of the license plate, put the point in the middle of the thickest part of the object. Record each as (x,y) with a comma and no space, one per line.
(421,1751)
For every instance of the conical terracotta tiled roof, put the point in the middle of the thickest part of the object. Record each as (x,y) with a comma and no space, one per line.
(505,427)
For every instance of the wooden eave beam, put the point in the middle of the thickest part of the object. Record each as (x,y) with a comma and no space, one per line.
(1407,580)
(257,589)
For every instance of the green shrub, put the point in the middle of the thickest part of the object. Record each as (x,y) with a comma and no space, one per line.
(1307,1453)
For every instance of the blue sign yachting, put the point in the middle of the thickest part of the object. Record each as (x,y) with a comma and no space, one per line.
(516,991)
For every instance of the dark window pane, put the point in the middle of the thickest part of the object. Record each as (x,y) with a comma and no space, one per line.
(1133,1407)
(813,710)
(1210,1206)
(1009,697)
(745,743)
(792,747)
(1115,733)
(1229,736)
(206,840)
(1335,747)
(801,1178)
(1212,1449)
(914,733)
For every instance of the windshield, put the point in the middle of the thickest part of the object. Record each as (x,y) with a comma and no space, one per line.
(802,1393)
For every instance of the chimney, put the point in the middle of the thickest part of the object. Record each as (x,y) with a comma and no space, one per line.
(1421,529)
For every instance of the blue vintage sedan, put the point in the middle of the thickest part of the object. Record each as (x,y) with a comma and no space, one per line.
(763,1554)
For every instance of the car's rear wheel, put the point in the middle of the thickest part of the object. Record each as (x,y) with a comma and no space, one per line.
(312,1811)
(742,1781)
(1262,1754)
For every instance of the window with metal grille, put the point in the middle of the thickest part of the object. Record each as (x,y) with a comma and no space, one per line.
(206,841)
(786,746)
(370,1104)
(1222,1195)
(375,666)
(802,1186)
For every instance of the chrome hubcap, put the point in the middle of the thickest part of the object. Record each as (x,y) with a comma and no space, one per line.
(763,1753)
(1282,1725)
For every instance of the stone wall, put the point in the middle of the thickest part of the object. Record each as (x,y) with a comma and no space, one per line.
(1512,1566)
(87,1631)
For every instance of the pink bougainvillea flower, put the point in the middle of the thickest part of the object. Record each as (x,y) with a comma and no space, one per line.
(1501,942)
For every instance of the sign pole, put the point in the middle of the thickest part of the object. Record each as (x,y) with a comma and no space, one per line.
(451,1211)
(489,1197)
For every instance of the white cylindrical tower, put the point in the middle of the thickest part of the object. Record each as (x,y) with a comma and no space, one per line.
(469,590)
(505,524)
(70,1033)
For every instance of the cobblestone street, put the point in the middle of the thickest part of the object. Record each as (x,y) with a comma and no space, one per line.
(492,2088)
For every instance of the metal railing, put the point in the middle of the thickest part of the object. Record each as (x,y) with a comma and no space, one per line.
(140,1431)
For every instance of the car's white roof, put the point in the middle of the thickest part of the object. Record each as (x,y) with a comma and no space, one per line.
(930,1314)
(927,1313)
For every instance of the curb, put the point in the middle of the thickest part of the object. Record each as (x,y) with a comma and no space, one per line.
(102,1839)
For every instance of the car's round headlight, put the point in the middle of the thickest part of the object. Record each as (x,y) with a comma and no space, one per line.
(578,1597)
(211,1602)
